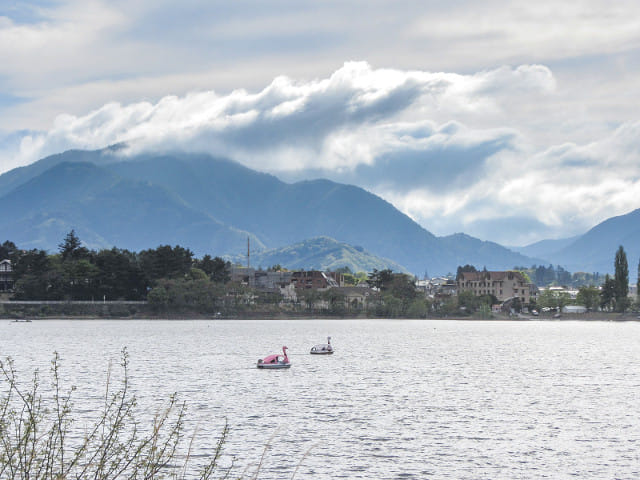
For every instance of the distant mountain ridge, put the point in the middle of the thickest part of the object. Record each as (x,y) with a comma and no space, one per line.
(595,250)
(544,248)
(320,253)
(106,210)
(212,205)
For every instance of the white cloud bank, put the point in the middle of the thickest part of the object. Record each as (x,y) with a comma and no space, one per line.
(439,146)
(319,121)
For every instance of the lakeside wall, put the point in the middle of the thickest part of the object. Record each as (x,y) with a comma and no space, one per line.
(87,309)
(16,310)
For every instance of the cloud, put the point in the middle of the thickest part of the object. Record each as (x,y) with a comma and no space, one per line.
(420,155)
(557,192)
(439,146)
(315,121)
(50,42)
(532,31)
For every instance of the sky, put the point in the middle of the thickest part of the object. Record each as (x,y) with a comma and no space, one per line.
(511,121)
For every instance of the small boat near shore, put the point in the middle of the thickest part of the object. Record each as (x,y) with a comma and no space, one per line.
(323,348)
(275,361)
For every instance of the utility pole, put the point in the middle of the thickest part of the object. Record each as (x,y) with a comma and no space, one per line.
(248,254)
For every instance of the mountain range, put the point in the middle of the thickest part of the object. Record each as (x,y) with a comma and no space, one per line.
(594,251)
(213,205)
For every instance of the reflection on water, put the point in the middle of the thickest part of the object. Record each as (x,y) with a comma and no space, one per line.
(398,399)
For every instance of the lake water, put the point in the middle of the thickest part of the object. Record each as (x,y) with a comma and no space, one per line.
(398,399)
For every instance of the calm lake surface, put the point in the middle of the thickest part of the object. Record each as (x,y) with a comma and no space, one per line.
(398,399)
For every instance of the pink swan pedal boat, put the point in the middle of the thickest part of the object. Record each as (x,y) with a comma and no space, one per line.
(322,349)
(275,361)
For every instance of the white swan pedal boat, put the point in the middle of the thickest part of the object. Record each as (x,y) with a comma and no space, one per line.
(323,348)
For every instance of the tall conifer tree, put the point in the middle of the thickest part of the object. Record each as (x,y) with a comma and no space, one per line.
(638,284)
(621,279)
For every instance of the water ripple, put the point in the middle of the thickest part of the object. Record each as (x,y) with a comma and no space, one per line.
(398,399)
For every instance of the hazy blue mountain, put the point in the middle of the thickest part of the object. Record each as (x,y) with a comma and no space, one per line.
(320,253)
(464,246)
(211,205)
(20,175)
(280,214)
(545,248)
(226,190)
(107,210)
(595,250)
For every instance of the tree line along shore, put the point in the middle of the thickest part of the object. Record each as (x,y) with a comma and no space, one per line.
(169,282)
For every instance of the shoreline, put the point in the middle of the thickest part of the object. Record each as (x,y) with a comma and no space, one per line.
(586,317)
(130,310)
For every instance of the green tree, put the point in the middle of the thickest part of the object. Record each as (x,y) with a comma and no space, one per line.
(335,300)
(583,279)
(355,278)
(309,298)
(166,262)
(119,276)
(547,299)
(390,307)
(380,279)
(516,304)
(402,286)
(75,273)
(467,301)
(78,279)
(525,274)
(563,277)
(621,279)
(448,306)
(221,271)
(638,284)
(71,248)
(419,308)
(563,299)
(193,294)
(589,297)
(158,298)
(550,299)
(197,274)
(8,250)
(349,279)
(466,268)
(607,293)
(544,275)
(218,270)
(32,273)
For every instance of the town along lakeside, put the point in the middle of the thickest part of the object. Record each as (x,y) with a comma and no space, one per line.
(402,297)
(168,282)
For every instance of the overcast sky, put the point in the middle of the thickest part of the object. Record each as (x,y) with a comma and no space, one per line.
(510,121)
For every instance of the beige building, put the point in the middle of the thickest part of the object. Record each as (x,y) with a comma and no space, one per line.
(502,285)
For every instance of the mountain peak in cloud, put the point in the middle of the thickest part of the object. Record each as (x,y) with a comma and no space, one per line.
(434,144)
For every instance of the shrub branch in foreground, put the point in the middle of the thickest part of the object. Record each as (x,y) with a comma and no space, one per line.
(37,440)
